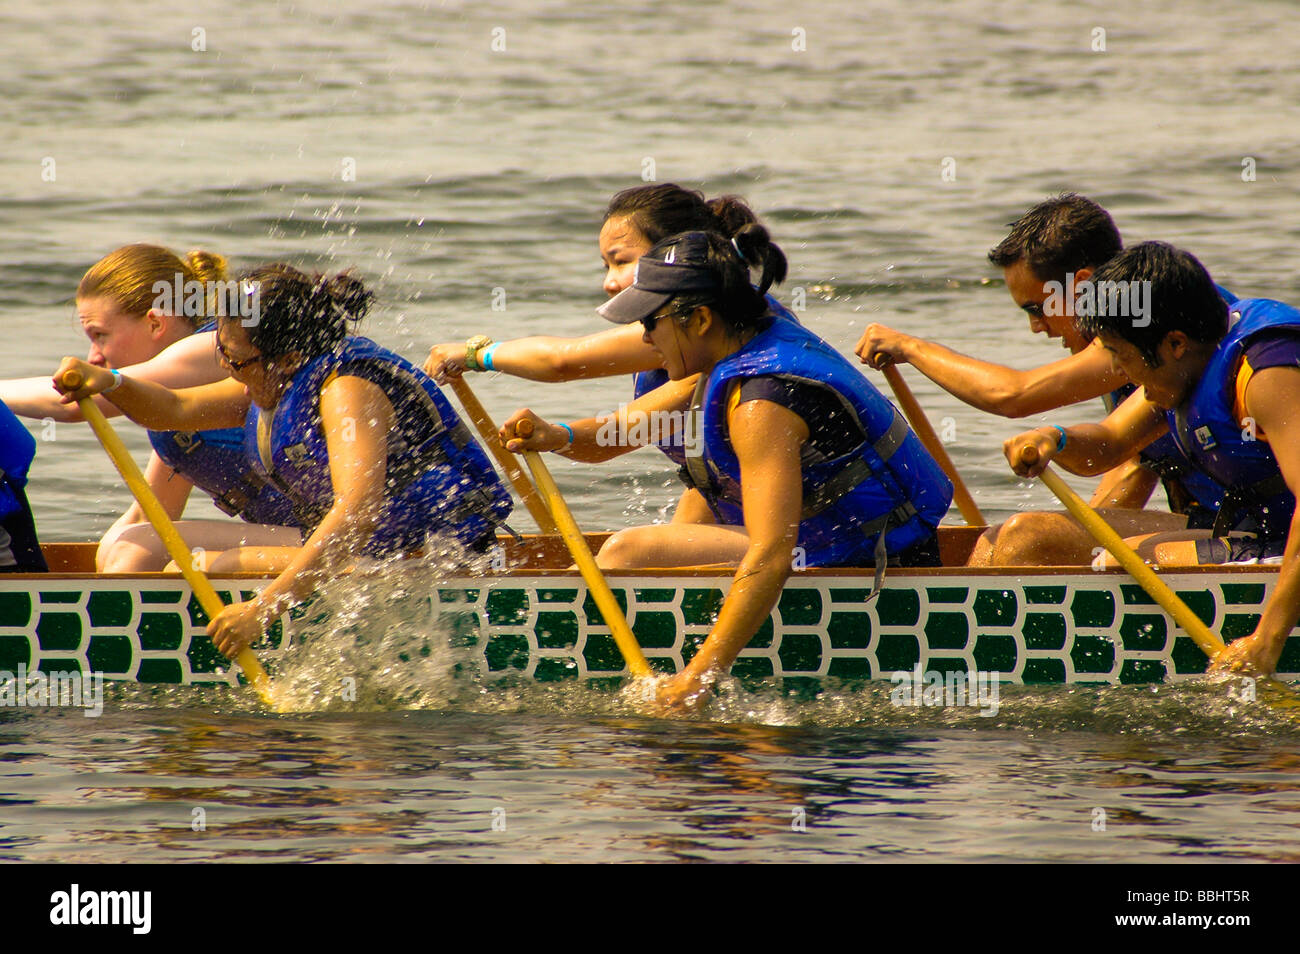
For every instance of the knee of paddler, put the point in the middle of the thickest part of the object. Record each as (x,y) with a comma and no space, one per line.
(1023,535)
(225,561)
(621,551)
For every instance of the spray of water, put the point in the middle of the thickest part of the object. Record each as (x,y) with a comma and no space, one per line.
(373,639)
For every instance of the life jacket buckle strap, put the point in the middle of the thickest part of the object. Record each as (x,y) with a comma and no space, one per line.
(898,516)
(478,502)
(889,442)
(232,502)
(831,490)
(1237,499)
(237,499)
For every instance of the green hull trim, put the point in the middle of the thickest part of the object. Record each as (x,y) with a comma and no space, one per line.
(1031,628)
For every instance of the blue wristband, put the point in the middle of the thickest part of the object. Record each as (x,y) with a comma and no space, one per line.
(485,358)
(570,430)
(1060,445)
(117,381)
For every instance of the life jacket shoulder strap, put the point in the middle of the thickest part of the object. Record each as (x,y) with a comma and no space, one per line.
(856,471)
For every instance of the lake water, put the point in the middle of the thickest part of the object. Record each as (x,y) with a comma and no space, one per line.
(886,144)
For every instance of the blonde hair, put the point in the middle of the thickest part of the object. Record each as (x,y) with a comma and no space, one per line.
(128,275)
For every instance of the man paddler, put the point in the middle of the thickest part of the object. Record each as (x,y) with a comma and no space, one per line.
(1224,381)
(1049,254)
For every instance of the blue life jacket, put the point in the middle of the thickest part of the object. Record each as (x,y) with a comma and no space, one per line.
(439,480)
(888,482)
(1209,434)
(214,462)
(643,382)
(17,450)
(1190,491)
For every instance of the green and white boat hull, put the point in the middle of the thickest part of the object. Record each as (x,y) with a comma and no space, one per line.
(1029,626)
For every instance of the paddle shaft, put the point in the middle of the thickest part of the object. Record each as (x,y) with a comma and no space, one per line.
(162,523)
(921,424)
(490,436)
(586,563)
(1127,557)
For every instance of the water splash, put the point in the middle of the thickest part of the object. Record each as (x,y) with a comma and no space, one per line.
(374,640)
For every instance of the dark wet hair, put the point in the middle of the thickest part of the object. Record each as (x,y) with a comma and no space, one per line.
(1183,298)
(665,209)
(1058,237)
(740,305)
(305,313)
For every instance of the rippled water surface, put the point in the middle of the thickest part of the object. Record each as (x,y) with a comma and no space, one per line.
(478,170)
(572,776)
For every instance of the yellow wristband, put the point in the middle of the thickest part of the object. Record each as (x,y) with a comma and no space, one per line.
(472,347)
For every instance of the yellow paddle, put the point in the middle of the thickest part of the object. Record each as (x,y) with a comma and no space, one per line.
(491,436)
(600,591)
(921,424)
(1127,557)
(1277,693)
(162,523)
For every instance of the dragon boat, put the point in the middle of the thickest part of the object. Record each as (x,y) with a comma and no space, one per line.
(534,620)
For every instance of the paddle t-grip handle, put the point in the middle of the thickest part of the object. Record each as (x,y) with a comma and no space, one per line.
(524,428)
(1029,455)
(71,379)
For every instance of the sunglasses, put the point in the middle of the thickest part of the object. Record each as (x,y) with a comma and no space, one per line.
(649,322)
(232,363)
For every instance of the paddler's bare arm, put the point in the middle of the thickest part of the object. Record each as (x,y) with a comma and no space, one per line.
(547,358)
(1127,487)
(1273,400)
(767,439)
(357,418)
(1092,449)
(171,489)
(189,362)
(995,388)
(597,439)
(221,404)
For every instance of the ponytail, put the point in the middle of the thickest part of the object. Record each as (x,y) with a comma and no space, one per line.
(206,266)
(757,250)
(731,214)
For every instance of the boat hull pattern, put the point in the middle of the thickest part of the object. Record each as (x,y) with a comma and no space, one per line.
(1046,628)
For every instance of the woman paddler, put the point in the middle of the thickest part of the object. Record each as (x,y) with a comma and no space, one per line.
(151,314)
(801,460)
(361,442)
(634,220)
